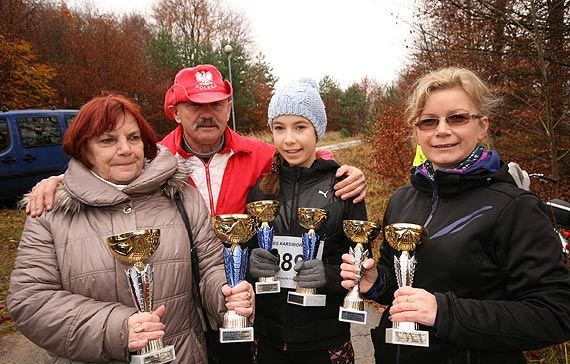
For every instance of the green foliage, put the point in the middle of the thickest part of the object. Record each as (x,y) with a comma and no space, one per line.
(353,109)
(331,94)
(163,51)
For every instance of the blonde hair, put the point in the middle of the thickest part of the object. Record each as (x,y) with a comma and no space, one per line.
(447,78)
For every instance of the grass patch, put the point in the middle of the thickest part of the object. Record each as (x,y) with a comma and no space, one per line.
(11,225)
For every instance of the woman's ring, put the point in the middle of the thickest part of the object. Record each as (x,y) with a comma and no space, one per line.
(138,328)
(248,295)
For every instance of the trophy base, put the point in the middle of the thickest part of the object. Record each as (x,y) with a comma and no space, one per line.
(236,335)
(164,355)
(308,300)
(407,337)
(267,287)
(352,316)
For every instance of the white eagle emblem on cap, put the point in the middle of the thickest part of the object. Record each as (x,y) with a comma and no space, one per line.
(204,79)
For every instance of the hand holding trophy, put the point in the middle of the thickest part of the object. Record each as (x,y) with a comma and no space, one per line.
(405,238)
(362,233)
(309,218)
(234,229)
(136,248)
(265,211)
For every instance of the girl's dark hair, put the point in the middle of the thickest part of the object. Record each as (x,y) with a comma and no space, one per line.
(270,182)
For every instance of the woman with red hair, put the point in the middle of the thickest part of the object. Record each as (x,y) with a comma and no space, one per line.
(69,294)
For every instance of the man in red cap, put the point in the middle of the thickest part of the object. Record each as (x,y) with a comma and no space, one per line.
(223,165)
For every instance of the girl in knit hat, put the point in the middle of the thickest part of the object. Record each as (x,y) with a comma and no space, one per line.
(287,333)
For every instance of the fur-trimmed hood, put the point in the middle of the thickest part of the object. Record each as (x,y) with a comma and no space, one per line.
(81,187)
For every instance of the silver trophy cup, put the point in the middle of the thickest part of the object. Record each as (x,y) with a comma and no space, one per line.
(135,248)
(405,238)
(362,233)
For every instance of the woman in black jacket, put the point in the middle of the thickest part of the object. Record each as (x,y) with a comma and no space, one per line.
(489,280)
(288,333)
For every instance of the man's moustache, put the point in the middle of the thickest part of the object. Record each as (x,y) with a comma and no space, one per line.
(207,122)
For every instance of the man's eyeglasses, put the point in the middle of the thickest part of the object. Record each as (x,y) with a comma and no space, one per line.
(453,121)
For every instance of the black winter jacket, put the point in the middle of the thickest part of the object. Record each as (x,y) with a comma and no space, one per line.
(493,262)
(308,328)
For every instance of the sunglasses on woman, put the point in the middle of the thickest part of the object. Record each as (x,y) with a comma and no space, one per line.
(455,120)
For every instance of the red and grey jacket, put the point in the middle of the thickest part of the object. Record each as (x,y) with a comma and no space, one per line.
(224,182)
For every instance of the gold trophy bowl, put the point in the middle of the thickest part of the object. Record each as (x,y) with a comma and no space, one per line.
(135,248)
(309,218)
(265,211)
(405,237)
(362,233)
(234,229)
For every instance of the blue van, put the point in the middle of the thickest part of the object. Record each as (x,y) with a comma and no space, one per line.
(31,148)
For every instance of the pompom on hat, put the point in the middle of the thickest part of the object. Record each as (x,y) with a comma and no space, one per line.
(300,98)
(202,84)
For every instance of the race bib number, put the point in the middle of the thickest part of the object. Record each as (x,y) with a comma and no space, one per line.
(290,250)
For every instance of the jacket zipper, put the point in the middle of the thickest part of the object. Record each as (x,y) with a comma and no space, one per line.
(434,202)
(209,184)
(293,219)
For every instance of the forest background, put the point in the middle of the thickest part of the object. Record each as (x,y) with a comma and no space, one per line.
(54,56)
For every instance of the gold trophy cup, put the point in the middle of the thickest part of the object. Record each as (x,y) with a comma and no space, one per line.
(135,248)
(265,211)
(309,218)
(362,233)
(234,229)
(405,238)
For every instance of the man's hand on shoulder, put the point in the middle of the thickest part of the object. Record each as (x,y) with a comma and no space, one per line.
(354,185)
(42,196)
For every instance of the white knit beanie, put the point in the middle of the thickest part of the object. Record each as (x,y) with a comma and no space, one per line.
(300,98)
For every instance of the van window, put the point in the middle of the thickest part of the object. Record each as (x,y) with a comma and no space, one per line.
(4,135)
(39,131)
(68,119)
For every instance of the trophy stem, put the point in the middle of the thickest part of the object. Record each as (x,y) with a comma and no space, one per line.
(303,290)
(404,325)
(234,320)
(353,301)
(153,345)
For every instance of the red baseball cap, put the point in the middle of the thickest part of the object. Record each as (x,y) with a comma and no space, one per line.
(202,84)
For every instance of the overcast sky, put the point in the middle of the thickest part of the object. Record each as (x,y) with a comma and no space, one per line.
(313,38)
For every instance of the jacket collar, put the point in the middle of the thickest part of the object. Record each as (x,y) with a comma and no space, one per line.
(450,183)
(303,173)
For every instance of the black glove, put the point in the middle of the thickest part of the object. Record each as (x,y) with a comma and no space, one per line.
(310,274)
(263,263)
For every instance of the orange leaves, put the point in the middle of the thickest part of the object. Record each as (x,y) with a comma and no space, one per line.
(24,82)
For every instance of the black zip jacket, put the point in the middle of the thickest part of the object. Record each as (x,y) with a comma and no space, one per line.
(308,328)
(493,262)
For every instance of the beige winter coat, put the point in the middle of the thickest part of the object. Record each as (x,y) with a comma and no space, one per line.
(70,296)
